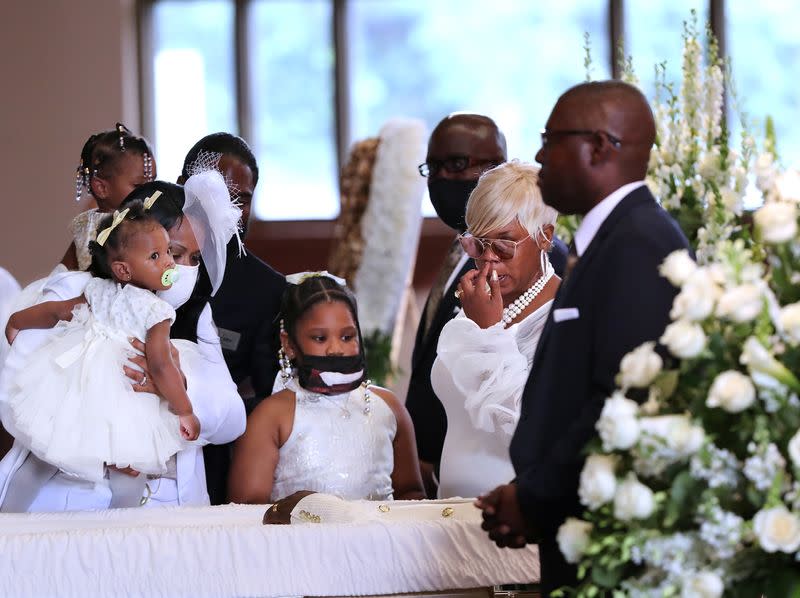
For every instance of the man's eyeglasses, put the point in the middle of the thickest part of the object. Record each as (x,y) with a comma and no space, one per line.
(549,134)
(475,247)
(453,165)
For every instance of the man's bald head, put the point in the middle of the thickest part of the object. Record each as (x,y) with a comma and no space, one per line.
(473,135)
(619,109)
(597,139)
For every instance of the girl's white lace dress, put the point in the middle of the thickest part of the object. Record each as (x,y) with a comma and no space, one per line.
(338,447)
(72,404)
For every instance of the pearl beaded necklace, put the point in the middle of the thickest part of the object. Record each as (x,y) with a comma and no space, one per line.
(511,312)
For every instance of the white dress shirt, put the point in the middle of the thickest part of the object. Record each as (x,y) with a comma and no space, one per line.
(592,222)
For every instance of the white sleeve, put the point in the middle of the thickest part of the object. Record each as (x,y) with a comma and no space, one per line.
(208,336)
(488,368)
(215,399)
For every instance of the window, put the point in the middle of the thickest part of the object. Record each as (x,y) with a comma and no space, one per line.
(765,50)
(653,35)
(428,59)
(303,79)
(401,57)
(193,82)
(292,97)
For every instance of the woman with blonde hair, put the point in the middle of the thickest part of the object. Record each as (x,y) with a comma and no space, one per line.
(485,353)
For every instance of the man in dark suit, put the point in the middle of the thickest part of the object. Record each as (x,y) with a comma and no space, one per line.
(246,305)
(594,157)
(461,148)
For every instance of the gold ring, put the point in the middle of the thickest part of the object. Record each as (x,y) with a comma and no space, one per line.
(458,293)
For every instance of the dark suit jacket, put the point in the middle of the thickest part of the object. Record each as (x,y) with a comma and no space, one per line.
(427,412)
(244,309)
(622,301)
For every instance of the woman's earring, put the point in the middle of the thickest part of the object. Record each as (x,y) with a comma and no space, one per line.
(544,262)
(286,367)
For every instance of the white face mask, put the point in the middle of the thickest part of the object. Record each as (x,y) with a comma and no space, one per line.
(181,290)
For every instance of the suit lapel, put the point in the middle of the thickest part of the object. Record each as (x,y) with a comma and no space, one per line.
(634,198)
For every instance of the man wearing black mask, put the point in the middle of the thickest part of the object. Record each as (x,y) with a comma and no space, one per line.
(460,149)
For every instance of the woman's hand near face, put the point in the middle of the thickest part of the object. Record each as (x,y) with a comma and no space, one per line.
(140,379)
(481,305)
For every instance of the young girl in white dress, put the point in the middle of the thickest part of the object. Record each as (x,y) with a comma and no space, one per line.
(485,353)
(73,407)
(328,430)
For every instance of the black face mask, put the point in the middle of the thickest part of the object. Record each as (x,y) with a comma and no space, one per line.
(449,198)
(332,374)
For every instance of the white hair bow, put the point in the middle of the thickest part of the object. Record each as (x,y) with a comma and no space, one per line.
(301,277)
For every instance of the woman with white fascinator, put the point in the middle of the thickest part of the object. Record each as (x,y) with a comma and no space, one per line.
(485,354)
(200,219)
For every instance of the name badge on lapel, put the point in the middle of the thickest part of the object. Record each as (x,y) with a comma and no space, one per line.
(229,339)
(565,313)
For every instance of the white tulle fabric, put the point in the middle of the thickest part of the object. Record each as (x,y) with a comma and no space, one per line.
(215,219)
(337,448)
(72,404)
(84,229)
(479,375)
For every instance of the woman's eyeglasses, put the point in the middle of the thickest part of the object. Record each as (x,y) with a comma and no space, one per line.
(475,247)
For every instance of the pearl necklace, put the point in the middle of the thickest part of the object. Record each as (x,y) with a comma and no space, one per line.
(511,312)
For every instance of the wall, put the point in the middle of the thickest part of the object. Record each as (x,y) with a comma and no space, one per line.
(69,68)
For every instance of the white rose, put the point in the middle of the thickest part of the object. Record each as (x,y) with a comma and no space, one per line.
(598,481)
(677,431)
(777,529)
(684,339)
(633,500)
(731,391)
(742,303)
(697,297)
(790,321)
(794,449)
(573,538)
(677,267)
(618,426)
(788,186)
(640,367)
(703,584)
(777,221)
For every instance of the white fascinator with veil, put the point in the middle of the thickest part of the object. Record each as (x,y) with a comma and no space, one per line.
(213,210)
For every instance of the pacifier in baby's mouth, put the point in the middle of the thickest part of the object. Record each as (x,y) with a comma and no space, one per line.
(169,277)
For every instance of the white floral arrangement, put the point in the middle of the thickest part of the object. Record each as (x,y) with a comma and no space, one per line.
(390,231)
(696,491)
(693,489)
(391,223)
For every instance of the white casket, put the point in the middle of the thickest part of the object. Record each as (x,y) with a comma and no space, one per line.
(226,551)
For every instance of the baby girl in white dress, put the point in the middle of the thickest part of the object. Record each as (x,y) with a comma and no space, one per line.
(73,406)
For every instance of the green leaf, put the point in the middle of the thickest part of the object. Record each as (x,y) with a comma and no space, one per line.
(607,578)
(681,489)
(783,584)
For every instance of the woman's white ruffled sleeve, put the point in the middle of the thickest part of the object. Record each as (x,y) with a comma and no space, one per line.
(488,368)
